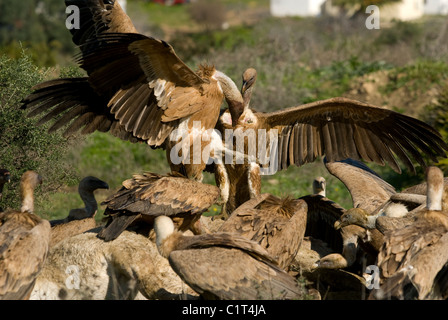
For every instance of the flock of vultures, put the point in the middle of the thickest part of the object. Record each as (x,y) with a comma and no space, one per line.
(155,242)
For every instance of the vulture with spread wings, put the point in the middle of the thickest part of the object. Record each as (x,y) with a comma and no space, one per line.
(337,128)
(137,89)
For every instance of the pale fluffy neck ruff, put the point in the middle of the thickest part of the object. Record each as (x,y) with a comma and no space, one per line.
(371,222)
(163,227)
(395,210)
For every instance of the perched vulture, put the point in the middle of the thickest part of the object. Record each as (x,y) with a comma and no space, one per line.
(24,239)
(367,191)
(376,204)
(5,177)
(81,219)
(149,195)
(137,89)
(337,128)
(278,225)
(224,265)
(412,257)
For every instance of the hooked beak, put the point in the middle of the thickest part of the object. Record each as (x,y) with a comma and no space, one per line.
(338,225)
(104,186)
(244,87)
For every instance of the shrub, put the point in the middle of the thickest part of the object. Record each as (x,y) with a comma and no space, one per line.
(23,145)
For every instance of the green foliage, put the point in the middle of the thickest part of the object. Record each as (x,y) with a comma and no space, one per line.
(23,145)
(113,160)
(418,76)
(400,31)
(436,115)
(37,24)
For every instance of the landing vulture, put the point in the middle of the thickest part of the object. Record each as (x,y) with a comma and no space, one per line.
(137,89)
(337,128)
(24,239)
(149,195)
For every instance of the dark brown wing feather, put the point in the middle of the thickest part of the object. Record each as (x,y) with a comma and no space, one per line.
(149,195)
(72,104)
(97,17)
(131,90)
(242,269)
(321,216)
(415,246)
(341,128)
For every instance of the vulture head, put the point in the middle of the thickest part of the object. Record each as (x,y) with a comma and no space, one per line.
(355,216)
(319,186)
(90,184)
(249,78)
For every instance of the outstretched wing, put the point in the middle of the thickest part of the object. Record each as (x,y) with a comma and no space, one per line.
(98,17)
(150,195)
(367,189)
(341,128)
(134,80)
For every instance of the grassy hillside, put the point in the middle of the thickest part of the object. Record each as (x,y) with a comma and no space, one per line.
(402,67)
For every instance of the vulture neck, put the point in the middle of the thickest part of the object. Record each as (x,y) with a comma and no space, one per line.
(27,195)
(232,95)
(371,221)
(435,189)
(246,97)
(89,200)
(319,187)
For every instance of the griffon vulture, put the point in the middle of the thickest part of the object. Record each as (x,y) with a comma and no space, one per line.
(224,265)
(412,257)
(337,128)
(149,195)
(277,224)
(81,219)
(24,239)
(138,89)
